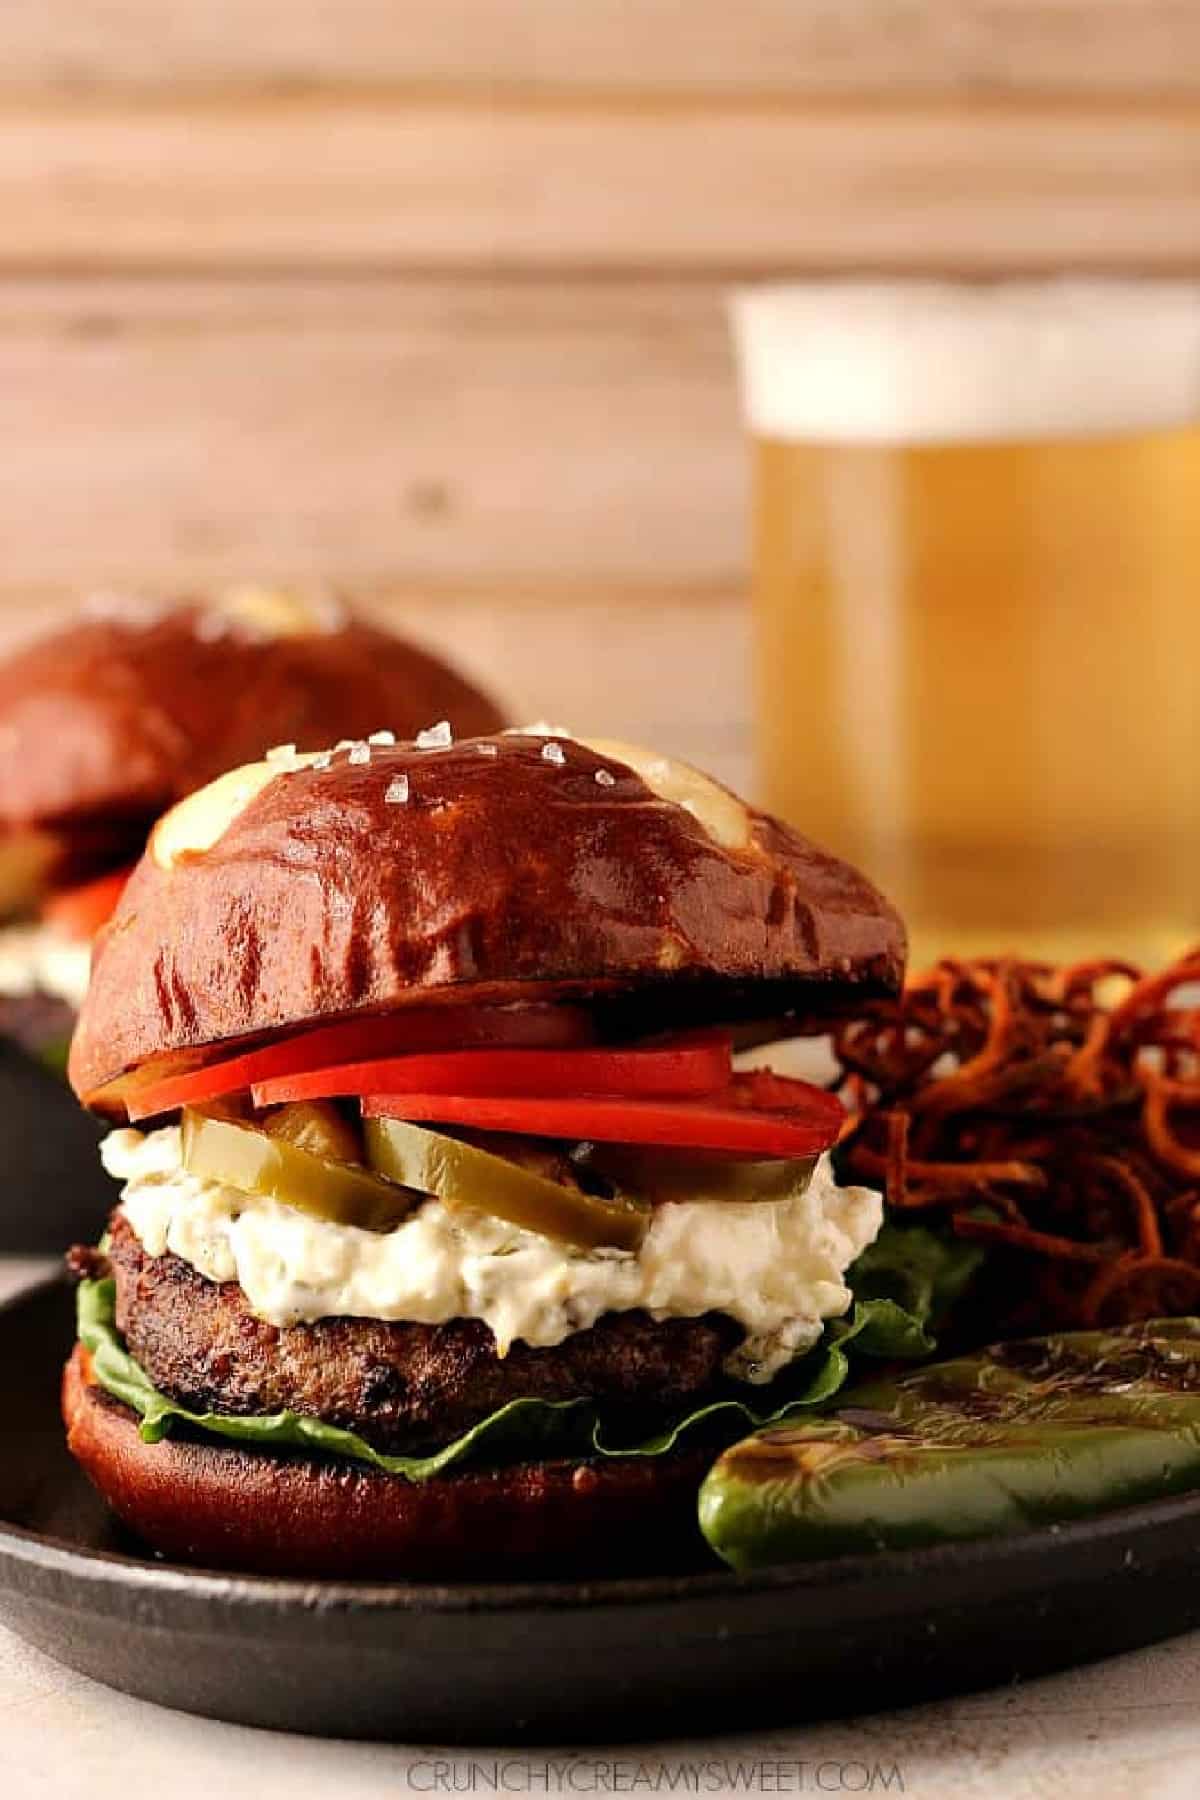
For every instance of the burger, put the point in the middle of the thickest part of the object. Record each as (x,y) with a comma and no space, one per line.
(453,1239)
(109,720)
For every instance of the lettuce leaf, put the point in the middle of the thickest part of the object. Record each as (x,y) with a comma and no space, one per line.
(880,1325)
(524,1426)
(924,1270)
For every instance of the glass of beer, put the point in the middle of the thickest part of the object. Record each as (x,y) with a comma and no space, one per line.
(977,599)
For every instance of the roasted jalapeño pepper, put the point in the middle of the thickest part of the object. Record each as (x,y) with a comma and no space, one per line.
(1027,1434)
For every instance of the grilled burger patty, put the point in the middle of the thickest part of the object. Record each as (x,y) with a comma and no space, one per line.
(405,1388)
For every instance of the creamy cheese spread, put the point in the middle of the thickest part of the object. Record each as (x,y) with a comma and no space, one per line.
(775,1267)
(38,959)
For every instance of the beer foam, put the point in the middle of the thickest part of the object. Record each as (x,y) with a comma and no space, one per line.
(929,362)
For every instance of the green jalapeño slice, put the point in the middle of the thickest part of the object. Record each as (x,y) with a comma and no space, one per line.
(660,1175)
(260,1159)
(317,1127)
(466,1178)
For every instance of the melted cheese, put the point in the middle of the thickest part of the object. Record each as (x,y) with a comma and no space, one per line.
(721,813)
(724,817)
(776,1267)
(269,612)
(200,821)
(195,824)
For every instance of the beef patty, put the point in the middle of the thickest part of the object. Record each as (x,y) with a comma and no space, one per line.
(405,1388)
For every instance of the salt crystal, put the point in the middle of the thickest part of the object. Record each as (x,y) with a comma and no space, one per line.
(486,748)
(397,793)
(280,753)
(604,779)
(385,739)
(322,759)
(436,737)
(553,753)
(360,753)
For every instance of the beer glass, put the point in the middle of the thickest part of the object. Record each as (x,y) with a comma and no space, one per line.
(977,599)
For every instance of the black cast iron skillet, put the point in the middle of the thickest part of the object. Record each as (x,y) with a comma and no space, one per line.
(591,1661)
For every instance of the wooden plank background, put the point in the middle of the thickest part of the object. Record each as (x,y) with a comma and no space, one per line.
(550,185)
(497,432)
(428,301)
(659,46)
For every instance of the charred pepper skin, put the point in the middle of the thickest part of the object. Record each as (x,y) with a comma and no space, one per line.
(1027,1434)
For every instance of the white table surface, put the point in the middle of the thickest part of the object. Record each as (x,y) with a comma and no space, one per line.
(1128,1728)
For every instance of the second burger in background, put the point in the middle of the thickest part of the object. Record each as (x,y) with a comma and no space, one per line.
(104,724)
(124,709)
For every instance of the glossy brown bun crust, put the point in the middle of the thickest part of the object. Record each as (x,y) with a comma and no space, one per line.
(505,875)
(113,718)
(229,1508)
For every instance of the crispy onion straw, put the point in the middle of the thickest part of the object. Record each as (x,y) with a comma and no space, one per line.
(1049,1113)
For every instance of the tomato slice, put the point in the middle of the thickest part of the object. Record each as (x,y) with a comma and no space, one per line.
(359,1041)
(755,1114)
(698,1063)
(79,912)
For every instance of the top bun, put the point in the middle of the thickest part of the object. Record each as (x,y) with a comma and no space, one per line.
(111,719)
(515,867)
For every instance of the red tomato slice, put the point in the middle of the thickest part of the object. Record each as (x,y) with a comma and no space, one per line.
(79,912)
(758,1114)
(362,1040)
(698,1063)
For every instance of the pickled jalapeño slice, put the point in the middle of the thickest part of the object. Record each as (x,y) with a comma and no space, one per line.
(259,1161)
(466,1178)
(317,1127)
(660,1176)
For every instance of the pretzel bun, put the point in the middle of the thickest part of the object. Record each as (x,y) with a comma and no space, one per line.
(112,718)
(516,867)
(219,1505)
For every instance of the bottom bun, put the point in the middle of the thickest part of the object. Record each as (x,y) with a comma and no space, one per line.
(198,1501)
